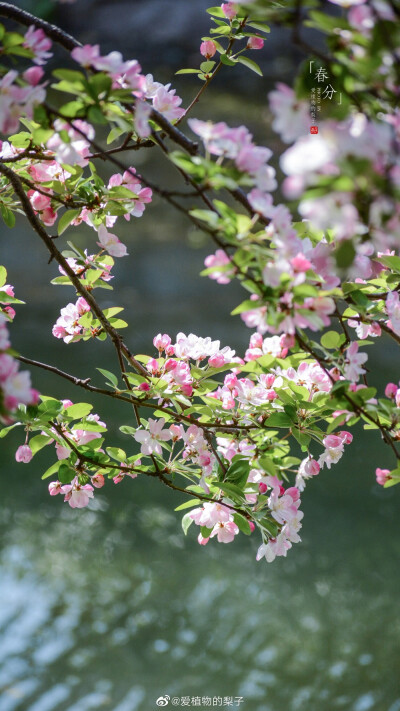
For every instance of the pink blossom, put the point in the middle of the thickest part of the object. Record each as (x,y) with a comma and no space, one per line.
(255,43)
(382,476)
(229,9)
(150,439)
(36,40)
(354,360)
(210,514)
(86,55)
(393,311)
(391,390)
(24,454)
(111,243)
(203,541)
(292,116)
(208,49)
(219,259)
(167,103)
(97,480)
(33,75)
(225,532)
(275,547)
(161,341)
(55,487)
(77,495)
(142,115)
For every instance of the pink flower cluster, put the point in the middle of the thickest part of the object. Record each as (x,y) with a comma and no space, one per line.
(38,43)
(236,144)
(76,494)
(218,518)
(17,100)
(67,325)
(15,385)
(127,74)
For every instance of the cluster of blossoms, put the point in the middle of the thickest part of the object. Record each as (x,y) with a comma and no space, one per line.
(223,424)
(127,75)
(15,384)
(68,326)
(236,144)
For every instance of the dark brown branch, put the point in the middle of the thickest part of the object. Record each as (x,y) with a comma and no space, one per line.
(25,18)
(56,254)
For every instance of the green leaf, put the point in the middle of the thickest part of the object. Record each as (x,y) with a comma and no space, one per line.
(229,489)
(66,473)
(228,61)
(126,429)
(3,276)
(52,470)
(278,419)
(80,409)
(242,523)
(186,523)
(207,67)
(238,472)
(5,430)
(392,262)
(345,254)
(188,504)
(116,453)
(7,215)
(259,26)
(215,11)
(110,376)
(66,219)
(187,71)
(250,64)
(330,339)
(38,442)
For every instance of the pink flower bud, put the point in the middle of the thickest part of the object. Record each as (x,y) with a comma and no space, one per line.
(98,481)
(346,437)
(203,541)
(229,10)
(144,386)
(170,350)
(33,75)
(170,364)
(299,262)
(312,467)
(152,365)
(332,441)
(24,454)
(382,476)
(54,488)
(176,432)
(293,492)
(391,390)
(217,360)
(208,49)
(162,341)
(118,478)
(262,488)
(256,341)
(255,43)
(252,526)
(230,381)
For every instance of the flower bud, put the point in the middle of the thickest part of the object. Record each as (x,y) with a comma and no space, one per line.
(208,49)
(24,454)
(255,43)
